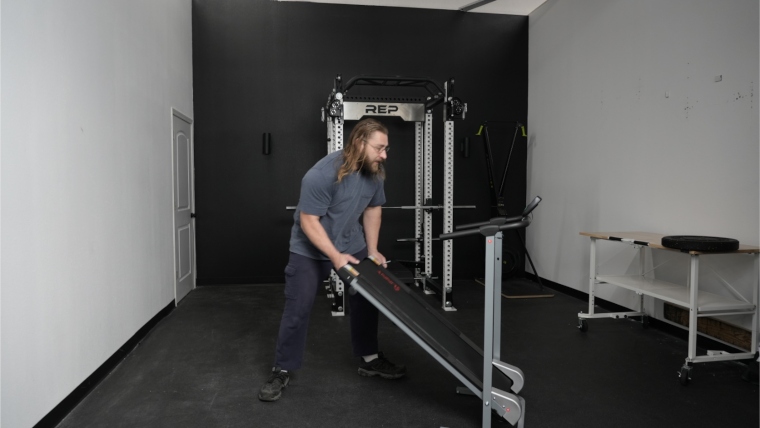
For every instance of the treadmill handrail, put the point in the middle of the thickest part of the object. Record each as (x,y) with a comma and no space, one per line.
(491,222)
(502,220)
(486,230)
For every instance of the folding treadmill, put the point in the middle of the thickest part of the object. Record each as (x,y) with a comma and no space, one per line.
(470,364)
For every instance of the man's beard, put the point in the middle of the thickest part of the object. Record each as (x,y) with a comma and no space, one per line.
(373,169)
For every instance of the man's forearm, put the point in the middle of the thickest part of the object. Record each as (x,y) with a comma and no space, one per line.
(318,236)
(372,219)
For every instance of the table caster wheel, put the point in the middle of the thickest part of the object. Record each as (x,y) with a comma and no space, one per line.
(684,376)
(645,321)
(582,325)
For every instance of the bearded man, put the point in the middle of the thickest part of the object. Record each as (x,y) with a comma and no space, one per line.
(337,221)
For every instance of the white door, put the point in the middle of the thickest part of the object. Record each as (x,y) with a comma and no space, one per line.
(184,233)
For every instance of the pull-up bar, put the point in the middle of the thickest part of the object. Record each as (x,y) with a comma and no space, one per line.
(340,106)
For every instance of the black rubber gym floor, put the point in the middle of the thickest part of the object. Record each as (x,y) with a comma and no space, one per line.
(203,364)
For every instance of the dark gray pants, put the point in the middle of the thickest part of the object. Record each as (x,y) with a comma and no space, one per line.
(303,277)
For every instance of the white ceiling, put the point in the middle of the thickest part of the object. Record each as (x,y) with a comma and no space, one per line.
(506,7)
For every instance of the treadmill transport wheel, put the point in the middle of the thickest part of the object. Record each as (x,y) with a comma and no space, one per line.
(700,243)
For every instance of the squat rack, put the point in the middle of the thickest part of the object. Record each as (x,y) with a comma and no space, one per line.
(340,108)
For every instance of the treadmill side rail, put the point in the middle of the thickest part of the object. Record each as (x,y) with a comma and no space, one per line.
(442,340)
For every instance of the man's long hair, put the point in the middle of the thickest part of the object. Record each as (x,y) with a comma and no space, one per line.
(353,152)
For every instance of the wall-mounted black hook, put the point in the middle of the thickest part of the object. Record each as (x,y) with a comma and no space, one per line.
(267,143)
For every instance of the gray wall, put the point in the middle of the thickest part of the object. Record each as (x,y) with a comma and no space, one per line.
(87,248)
(631,132)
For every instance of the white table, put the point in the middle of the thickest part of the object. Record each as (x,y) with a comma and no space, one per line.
(688,296)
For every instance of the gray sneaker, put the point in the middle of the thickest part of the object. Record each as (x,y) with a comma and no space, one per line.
(380,366)
(272,390)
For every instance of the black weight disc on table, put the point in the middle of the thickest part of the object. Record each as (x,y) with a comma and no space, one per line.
(700,243)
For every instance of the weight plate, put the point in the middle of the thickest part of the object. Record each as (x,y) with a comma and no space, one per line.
(700,243)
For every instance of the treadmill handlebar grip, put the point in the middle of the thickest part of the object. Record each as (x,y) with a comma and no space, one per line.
(496,221)
(523,223)
(459,234)
(486,229)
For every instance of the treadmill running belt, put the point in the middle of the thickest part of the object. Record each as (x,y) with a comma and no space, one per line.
(424,321)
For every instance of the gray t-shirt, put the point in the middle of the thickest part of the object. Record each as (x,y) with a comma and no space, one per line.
(339,205)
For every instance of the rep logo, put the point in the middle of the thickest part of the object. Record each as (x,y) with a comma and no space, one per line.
(380,109)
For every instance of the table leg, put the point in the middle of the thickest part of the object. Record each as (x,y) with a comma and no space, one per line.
(755,291)
(592,277)
(693,306)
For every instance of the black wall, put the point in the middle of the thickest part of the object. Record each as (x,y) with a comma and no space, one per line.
(267,67)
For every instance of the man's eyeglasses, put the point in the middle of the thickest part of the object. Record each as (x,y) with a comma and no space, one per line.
(385,149)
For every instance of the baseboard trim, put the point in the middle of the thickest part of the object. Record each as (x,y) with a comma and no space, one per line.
(55,416)
(240,280)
